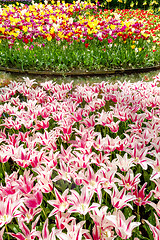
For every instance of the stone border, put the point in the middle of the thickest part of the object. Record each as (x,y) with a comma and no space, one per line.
(81,72)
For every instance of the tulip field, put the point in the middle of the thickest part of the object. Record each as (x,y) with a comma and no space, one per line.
(81,35)
(80,161)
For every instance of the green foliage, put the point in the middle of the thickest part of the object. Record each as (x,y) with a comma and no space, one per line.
(66,57)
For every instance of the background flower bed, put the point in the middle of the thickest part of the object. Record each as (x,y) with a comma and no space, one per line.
(77,36)
(83,159)
(122,4)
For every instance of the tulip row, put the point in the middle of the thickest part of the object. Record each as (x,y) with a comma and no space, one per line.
(66,36)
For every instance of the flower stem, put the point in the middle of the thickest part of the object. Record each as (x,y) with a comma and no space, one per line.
(3,169)
(7,231)
(43,212)
(138,215)
(53,194)
(84,218)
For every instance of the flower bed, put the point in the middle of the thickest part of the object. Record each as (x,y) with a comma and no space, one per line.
(80,162)
(77,36)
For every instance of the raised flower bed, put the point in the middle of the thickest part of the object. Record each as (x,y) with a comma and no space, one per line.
(66,36)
